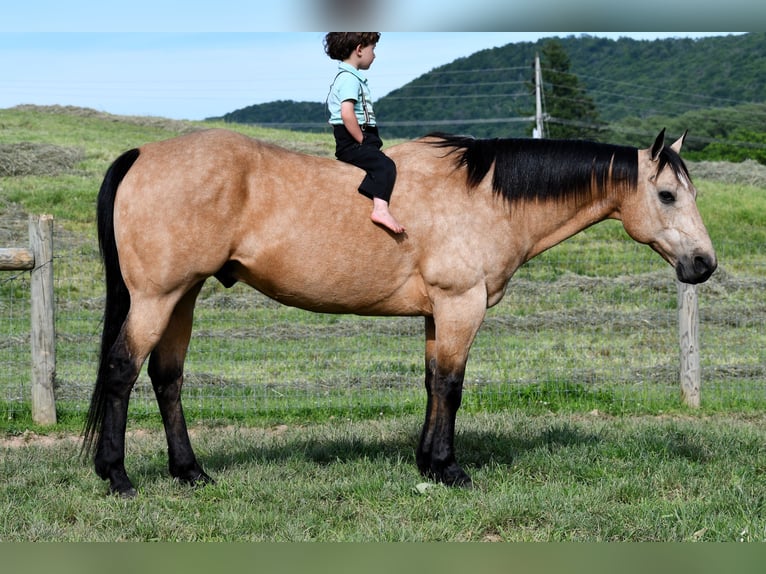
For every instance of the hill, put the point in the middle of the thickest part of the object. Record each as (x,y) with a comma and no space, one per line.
(487,93)
(625,78)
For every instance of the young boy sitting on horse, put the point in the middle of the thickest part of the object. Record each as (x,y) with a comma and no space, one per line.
(356,134)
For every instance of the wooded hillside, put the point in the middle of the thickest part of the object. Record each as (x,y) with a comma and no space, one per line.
(715,87)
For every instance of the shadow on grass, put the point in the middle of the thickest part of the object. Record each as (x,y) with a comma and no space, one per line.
(503,443)
(474,448)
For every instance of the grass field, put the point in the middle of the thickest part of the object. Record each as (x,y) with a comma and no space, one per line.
(571,424)
(548,477)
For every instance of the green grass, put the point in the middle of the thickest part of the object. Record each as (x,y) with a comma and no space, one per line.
(538,478)
(571,423)
(569,317)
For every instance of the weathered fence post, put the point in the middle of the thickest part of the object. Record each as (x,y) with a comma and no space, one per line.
(43,330)
(688,332)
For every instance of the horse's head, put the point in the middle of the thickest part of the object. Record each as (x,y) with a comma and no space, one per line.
(663,213)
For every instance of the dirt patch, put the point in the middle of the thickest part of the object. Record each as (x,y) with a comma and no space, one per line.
(31,438)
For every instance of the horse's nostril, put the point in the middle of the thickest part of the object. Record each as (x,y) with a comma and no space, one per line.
(704,264)
(697,269)
(703,267)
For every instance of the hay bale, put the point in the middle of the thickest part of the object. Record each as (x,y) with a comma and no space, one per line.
(27,158)
(748,172)
(175,126)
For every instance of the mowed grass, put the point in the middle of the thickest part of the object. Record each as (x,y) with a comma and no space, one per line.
(550,477)
(571,425)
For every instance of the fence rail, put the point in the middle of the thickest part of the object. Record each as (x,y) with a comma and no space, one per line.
(39,259)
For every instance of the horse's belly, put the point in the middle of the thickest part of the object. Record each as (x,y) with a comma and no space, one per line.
(340,294)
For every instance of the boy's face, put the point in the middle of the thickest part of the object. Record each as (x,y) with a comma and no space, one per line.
(366,56)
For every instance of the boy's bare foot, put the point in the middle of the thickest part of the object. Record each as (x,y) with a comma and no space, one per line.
(381,215)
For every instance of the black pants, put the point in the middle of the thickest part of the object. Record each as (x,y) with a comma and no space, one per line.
(381,169)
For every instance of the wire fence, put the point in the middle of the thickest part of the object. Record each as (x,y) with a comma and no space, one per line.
(575,324)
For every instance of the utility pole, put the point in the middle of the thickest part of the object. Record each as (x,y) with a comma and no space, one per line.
(538,132)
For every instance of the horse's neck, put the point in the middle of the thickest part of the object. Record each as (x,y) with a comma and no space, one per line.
(550,223)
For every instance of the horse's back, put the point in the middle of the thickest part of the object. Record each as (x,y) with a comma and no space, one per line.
(290,224)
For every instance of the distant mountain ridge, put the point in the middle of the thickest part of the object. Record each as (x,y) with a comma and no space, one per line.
(626,78)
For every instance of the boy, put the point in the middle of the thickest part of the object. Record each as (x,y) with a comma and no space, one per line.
(356,134)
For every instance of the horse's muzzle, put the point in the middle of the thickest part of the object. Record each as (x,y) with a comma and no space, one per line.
(696,269)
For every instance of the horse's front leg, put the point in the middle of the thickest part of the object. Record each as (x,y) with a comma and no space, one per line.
(436,451)
(447,346)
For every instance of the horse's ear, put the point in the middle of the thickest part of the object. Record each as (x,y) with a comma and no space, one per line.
(676,147)
(658,143)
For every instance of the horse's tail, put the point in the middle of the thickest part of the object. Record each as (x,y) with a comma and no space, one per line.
(117,295)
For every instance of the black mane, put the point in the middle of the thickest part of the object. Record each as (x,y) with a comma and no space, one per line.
(670,158)
(539,169)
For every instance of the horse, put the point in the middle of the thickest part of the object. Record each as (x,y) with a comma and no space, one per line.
(215,203)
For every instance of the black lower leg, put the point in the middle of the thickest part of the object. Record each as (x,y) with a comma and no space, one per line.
(109,459)
(436,452)
(423,453)
(182,463)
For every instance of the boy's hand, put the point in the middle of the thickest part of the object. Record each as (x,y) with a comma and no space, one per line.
(348,115)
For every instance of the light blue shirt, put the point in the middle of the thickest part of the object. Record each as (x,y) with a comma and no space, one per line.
(350,84)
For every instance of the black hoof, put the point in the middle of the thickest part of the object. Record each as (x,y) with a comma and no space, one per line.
(119,483)
(126,493)
(451,475)
(195,478)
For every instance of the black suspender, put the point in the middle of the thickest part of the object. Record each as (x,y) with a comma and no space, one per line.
(360,97)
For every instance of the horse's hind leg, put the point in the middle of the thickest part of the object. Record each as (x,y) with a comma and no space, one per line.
(109,459)
(139,334)
(166,372)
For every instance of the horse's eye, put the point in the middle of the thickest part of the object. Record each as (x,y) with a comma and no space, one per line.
(667,197)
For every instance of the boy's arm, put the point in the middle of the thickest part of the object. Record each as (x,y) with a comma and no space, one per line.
(348,116)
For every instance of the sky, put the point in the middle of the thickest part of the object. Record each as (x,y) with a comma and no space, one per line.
(196,75)
(194,59)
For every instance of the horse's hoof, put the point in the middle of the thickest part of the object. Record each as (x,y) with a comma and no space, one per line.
(120,485)
(124,493)
(202,480)
(457,478)
(195,479)
(451,475)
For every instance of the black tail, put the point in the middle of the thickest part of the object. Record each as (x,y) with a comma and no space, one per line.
(117,295)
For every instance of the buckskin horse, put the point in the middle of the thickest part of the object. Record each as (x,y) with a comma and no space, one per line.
(218,204)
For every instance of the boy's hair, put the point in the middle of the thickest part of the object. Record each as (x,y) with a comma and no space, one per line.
(340,45)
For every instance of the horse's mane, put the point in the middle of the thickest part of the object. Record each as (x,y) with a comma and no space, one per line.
(670,158)
(539,169)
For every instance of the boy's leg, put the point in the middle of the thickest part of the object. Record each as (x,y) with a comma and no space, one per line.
(382,216)
(381,170)
(379,180)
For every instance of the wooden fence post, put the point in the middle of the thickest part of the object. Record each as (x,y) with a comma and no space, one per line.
(688,332)
(43,330)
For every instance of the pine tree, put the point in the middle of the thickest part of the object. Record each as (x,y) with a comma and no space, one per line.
(570,111)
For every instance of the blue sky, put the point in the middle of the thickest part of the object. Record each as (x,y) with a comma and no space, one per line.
(403,15)
(194,75)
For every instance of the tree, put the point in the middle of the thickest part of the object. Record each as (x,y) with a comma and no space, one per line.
(570,111)
(741,145)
